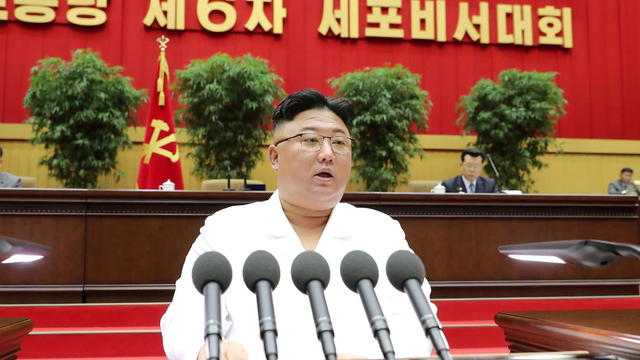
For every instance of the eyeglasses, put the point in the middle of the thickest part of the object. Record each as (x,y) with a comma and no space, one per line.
(313,142)
(472,167)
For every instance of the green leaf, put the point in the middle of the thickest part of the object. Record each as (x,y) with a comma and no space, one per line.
(514,120)
(387,102)
(226,104)
(80,110)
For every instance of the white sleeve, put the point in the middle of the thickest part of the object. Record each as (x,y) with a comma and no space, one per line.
(183,324)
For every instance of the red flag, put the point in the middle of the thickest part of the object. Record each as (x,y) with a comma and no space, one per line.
(160,159)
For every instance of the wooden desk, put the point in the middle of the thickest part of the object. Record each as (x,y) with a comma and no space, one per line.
(615,332)
(129,245)
(12,331)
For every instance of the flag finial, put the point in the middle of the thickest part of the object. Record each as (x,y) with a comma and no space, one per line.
(163,40)
(164,69)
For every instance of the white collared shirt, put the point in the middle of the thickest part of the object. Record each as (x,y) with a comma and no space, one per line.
(468,183)
(239,230)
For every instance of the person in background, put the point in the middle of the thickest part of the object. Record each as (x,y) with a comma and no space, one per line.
(8,180)
(624,185)
(311,156)
(470,180)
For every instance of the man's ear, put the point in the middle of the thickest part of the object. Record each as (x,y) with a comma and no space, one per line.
(273,157)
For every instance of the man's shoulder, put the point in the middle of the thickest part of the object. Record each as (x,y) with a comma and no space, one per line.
(450,183)
(488,180)
(9,180)
(489,185)
(360,212)
(243,211)
(363,221)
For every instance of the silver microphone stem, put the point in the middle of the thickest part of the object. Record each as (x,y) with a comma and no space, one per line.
(493,166)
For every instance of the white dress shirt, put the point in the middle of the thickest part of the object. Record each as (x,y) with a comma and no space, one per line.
(239,230)
(467,184)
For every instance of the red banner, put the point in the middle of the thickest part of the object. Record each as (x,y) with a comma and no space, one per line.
(452,44)
(160,159)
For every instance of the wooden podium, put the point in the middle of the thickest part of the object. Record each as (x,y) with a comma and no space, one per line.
(12,331)
(615,332)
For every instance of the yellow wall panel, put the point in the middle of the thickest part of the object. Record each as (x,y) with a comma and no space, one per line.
(585,166)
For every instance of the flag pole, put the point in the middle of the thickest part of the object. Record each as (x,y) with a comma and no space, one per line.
(160,167)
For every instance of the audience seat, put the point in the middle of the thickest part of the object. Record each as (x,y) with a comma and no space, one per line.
(28,182)
(422,185)
(236,184)
(634,190)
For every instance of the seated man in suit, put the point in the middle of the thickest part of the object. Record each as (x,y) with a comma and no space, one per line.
(624,185)
(470,181)
(6,179)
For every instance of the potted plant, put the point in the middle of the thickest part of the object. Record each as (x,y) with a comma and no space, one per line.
(388,102)
(227,103)
(80,111)
(514,120)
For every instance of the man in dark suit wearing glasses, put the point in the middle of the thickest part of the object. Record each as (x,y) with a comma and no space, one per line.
(470,180)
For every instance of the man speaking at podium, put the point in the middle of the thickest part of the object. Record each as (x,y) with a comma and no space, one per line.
(311,155)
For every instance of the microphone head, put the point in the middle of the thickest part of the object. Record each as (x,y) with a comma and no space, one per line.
(358,265)
(403,265)
(261,265)
(211,267)
(307,266)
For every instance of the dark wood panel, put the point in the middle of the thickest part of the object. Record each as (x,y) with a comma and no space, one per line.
(138,250)
(615,332)
(65,234)
(469,247)
(137,240)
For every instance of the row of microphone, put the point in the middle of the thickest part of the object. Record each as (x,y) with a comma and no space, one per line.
(310,274)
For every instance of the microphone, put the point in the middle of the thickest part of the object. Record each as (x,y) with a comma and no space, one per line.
(211,276)
(360,274)
(406,273)
(261,274)
(493,166)
(229,188)
(310,274)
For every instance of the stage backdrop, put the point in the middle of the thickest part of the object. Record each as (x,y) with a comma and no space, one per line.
(452,44)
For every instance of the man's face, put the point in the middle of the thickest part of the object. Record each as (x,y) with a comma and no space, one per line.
(314,180)
(625,176)
(471,167)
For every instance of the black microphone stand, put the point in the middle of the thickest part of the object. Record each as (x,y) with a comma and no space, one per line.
(244,178)
(378,323)
(212,329)
(323,322)
(228,179)
(430,323)
(268,327)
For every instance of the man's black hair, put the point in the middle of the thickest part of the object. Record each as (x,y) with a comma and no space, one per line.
(624,170)
(473,152)
(310,99)
(0,152)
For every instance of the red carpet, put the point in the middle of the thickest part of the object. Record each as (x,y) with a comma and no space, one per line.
(483,310)
(95,331)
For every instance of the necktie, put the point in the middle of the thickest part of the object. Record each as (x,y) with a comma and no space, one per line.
(472,188)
